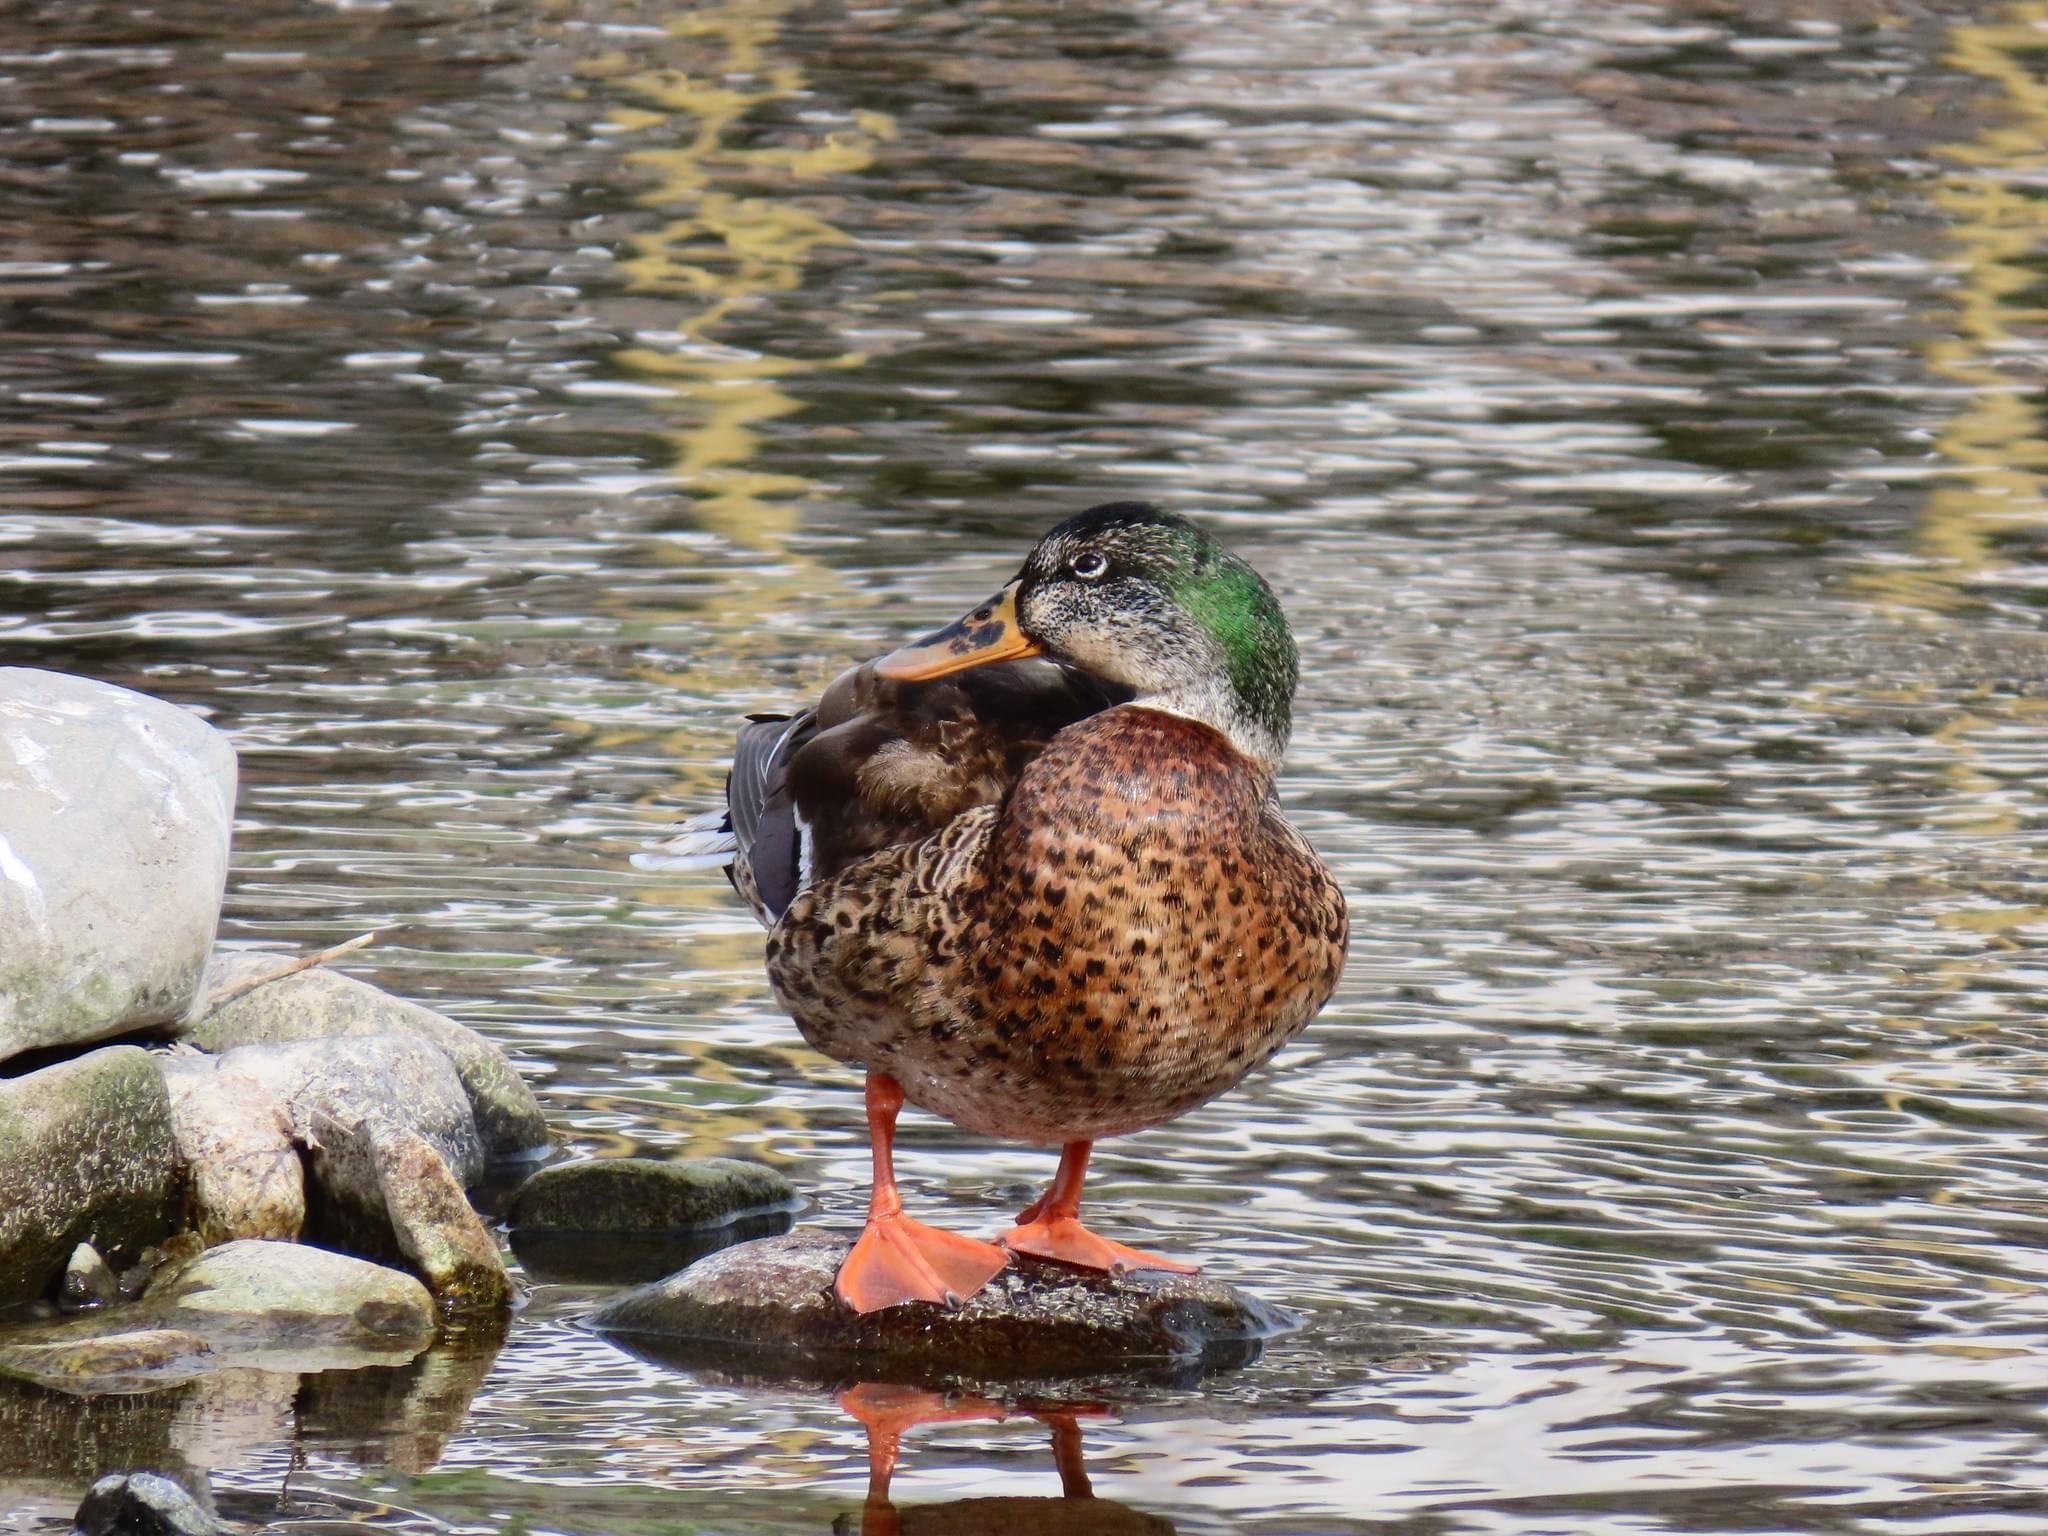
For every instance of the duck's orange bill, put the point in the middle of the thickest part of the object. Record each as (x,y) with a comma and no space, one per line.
(989,633)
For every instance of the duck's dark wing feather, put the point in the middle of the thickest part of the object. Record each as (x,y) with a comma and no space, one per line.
(876,763)
(769,869)
(754,838)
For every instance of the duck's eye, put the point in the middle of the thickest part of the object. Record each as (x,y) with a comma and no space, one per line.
(1090,565)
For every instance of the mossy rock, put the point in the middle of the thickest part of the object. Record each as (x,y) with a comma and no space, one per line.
(645,1195)
(85,1157)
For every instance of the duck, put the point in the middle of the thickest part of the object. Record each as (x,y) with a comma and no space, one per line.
(1029,873)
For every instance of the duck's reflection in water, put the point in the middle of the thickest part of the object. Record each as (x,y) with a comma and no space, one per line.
(888,1411)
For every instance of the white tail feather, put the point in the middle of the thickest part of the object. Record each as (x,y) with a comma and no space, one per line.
(702,842)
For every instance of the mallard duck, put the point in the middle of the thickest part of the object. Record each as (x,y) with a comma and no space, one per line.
(1029,873)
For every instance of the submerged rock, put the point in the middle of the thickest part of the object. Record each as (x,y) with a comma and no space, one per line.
(142,1504)
(267,1306)
(643,1194)
(767,1306)
(115,812)
(89,1281)
(127,1357)
(85,1156)
(320,1004)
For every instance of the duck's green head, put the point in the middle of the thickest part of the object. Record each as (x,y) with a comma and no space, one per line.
(1145,599)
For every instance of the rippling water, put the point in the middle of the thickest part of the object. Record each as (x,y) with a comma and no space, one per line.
(474,407)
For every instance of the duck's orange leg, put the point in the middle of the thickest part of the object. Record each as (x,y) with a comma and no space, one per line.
(897,1259)
(1051,1228)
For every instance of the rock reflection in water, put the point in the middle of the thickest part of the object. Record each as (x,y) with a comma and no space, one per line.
(400,1418)
(888,1412)
(53,1444)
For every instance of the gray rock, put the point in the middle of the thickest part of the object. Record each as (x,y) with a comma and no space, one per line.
(439,1233)
(320,1003)
(115,813)
(767,1307)
(243,1174)
(283,1295)
(388,1144)
(643,1194)
(142,1504)
(255,1305)
(89,1281)
(85,1156)
(328,1092)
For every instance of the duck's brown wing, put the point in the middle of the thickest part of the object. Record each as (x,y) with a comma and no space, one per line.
(891,762)
(876,763)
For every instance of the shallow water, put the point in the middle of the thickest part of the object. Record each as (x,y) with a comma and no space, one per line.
(475,407)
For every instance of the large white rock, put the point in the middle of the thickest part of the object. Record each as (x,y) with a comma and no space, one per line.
(115,814)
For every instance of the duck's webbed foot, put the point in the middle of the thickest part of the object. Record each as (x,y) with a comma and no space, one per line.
(1066,1241)
(1051,1228)
(899,1260)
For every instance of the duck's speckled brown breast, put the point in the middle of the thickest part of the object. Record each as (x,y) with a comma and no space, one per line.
(1125,937)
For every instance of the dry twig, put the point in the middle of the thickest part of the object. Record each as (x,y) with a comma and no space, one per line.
(220,997)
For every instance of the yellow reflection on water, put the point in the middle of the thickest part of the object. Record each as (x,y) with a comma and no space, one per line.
(714,253)
(1994,443)
(717,252)
(1982,802)
(1999,222)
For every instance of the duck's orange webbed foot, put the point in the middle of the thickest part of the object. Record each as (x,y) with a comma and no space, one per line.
(899,1260)
(1051,1228)
(1065,1240)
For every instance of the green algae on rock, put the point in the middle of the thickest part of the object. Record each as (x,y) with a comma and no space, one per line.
(85,1156)
(268,1306)
(644,1194)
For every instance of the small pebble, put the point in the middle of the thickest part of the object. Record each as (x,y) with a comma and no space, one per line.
(142,1504)
(89,1281)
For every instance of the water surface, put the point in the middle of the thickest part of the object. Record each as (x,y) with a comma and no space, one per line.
(475,407)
